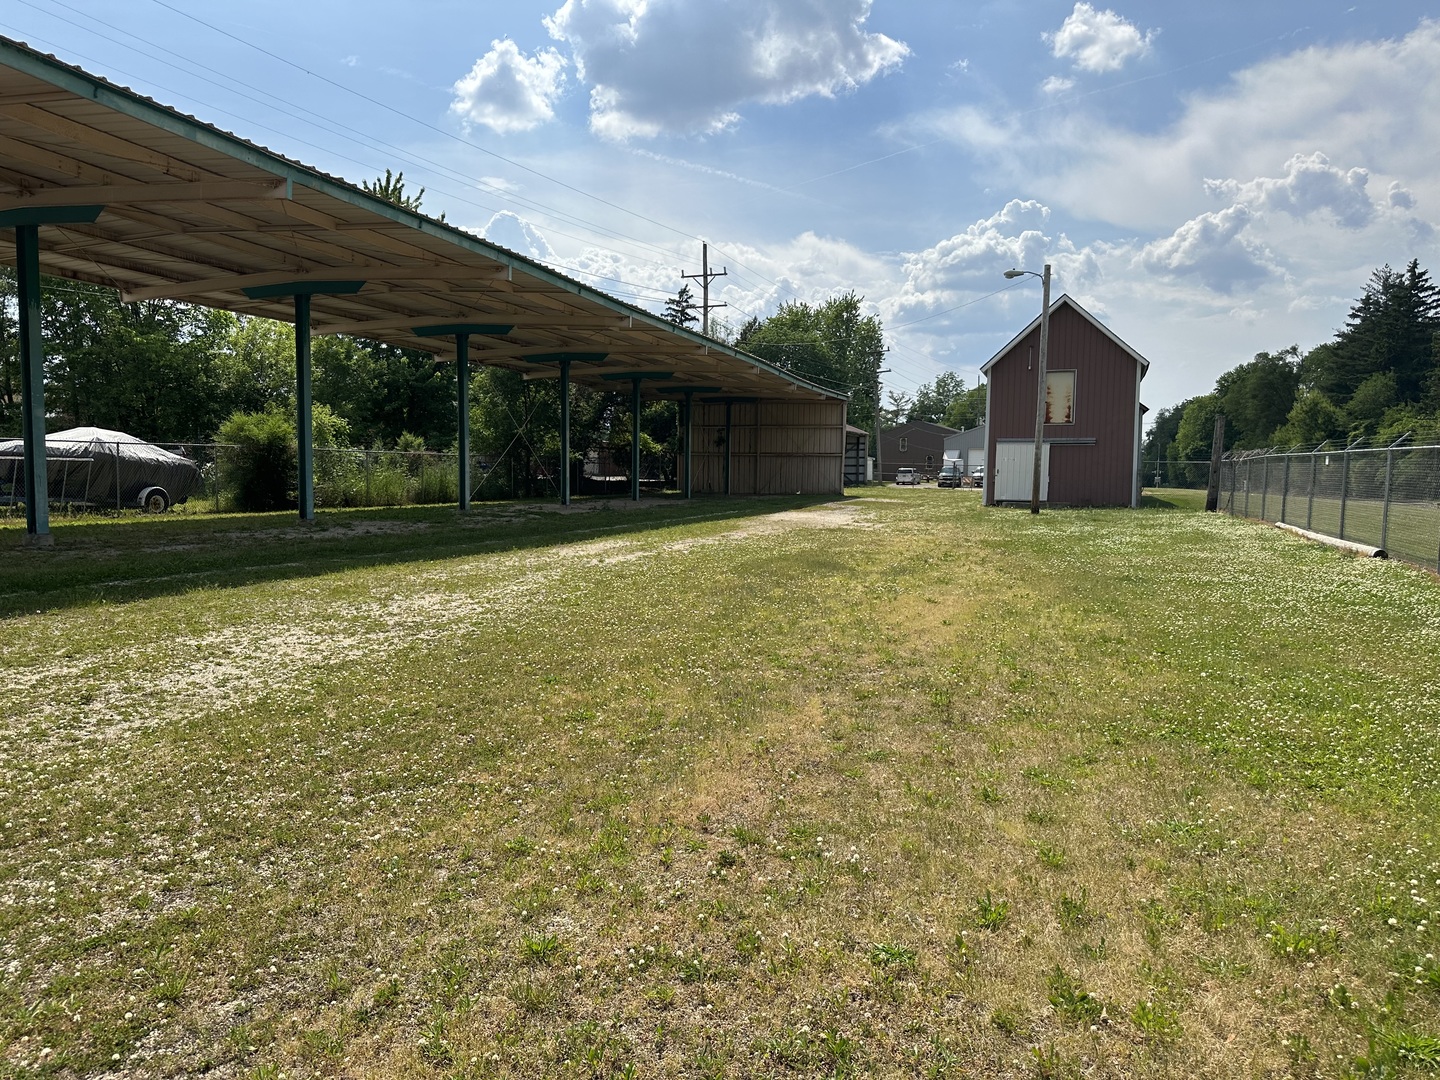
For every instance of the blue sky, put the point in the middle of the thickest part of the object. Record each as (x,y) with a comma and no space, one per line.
(1212,180)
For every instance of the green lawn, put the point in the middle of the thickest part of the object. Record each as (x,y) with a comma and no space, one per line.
(893,785)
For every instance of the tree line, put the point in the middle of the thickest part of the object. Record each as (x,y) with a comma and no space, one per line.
(1377,380)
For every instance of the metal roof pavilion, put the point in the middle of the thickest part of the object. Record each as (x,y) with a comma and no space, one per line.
(103,185)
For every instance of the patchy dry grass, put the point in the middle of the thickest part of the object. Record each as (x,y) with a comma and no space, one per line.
(895,787)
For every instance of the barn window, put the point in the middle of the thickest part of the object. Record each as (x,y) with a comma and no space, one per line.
(1060,397)
(904,445)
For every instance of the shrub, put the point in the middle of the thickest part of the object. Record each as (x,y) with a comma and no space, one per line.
(261,459)
(261,462)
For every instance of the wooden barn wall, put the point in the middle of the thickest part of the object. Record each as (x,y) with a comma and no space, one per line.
(777,448)
(1101,474)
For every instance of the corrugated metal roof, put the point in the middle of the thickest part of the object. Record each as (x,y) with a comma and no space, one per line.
(195,213)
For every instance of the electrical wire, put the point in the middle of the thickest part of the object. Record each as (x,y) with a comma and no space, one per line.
(326,124)
(423,123)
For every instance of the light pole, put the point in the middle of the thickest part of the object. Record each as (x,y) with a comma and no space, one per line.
(1040,379)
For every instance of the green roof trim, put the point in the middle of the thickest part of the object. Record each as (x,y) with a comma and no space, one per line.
(48,215)
(303,288)
(452,329)
(573,357)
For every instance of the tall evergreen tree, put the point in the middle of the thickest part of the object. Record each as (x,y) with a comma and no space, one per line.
(1392,328)
(680,309)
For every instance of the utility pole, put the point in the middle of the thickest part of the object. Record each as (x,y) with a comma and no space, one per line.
(1040,377)
(1217,452)
(879,475)
(1040,403)
(704,278)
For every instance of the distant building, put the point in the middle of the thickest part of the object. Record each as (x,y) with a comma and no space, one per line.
(967,448)
(918,444)
(1092,429)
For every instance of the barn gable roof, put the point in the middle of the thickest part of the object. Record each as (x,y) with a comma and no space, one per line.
(1055,306)
(919,425)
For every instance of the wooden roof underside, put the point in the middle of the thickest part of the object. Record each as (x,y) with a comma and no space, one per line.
(193,213)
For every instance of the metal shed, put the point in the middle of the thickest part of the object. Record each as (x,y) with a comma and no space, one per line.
(103,185)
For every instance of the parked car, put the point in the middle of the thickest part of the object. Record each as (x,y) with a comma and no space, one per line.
(977,477)
(95,467)
(906,475)
(950,475)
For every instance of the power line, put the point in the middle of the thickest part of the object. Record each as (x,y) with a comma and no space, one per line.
(322,122)
(957,307)
(334,127)
(423,123)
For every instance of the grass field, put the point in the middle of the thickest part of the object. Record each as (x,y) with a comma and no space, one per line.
(893,785)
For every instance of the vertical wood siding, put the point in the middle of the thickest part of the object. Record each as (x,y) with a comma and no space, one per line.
(1096,475)
(777,448)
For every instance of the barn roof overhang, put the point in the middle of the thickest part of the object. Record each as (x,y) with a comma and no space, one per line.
(187,211)
(1066,301)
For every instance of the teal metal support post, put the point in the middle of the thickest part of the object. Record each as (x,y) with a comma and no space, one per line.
(462,408)
(302,291)
(26,222)
(303,419)
(462,332)
(635,439)
(32,385)
(564,432)
(689,442)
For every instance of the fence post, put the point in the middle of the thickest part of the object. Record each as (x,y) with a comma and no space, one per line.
(1249,478)
(1310,502)
(1265,488)
(1217,452)
(1285,488)
(1385,510)
(1344,487)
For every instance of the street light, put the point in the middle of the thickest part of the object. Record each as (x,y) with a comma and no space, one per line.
(1040,390)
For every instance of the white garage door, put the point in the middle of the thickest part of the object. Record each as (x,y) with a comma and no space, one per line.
(1015,472)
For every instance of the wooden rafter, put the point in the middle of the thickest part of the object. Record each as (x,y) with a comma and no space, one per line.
(133,194)
(236,282)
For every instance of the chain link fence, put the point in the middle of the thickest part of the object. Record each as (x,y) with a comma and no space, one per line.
(1384,496)
(1175,472)
(96,475)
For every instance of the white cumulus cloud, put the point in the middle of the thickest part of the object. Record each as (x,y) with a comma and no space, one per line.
(1399,197)
(674,67)
(1098,41)
(1213,248)
(970,264)
(1310,184)
(1014,237)
(514,233)
(508,91)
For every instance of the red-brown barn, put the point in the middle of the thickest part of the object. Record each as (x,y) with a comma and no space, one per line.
(1092,429)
